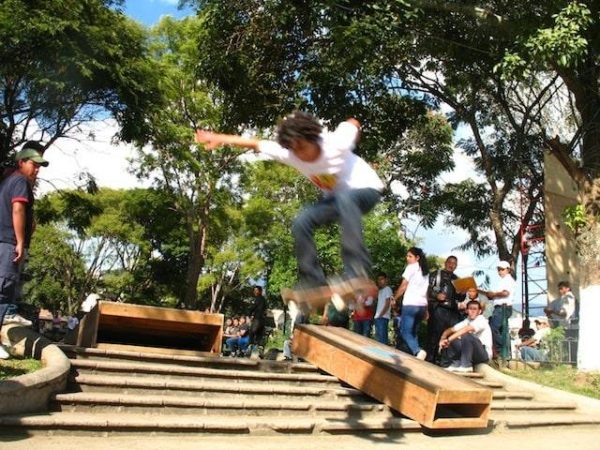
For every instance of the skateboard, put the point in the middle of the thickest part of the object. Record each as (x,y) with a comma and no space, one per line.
(342,293)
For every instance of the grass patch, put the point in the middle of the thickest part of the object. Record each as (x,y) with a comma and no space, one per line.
(562,377)
(10,368)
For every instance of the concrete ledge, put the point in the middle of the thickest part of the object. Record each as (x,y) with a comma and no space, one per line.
(32,392)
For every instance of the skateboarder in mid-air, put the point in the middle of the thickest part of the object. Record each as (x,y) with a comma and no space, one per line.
(350,189)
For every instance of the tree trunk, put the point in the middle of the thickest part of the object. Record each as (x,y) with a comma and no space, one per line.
(195,265)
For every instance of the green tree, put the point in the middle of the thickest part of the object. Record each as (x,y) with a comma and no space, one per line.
(201,184)
(114,233)
(58,271)
(66,62)
(385,62)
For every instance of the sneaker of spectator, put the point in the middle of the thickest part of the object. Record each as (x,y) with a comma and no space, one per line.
(464,369)
(16,319)
(3,352)
(453,367)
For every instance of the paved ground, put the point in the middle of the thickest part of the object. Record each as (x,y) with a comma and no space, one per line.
(587,438)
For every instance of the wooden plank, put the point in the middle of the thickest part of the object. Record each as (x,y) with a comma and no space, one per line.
(433,377)
(186,332)
(158,313)
(428,394)
(155,350)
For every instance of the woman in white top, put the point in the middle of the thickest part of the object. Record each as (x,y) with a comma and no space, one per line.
(415,281)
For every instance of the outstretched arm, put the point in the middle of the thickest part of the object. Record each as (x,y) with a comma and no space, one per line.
(212,140)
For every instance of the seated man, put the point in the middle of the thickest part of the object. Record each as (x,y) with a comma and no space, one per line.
(530,347)
(241,340)
(469,342)
(561,311)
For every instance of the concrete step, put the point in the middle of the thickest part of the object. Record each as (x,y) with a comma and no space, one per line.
(525,419)
(74,353)
(163,385)
(512,405)
(85,366)
(489,384)
(97,402)
(516,395)
(115,423)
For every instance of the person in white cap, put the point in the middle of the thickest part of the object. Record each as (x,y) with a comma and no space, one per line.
(502,299)
(16,228)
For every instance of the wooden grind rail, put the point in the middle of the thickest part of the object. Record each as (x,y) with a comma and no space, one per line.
(428,394)
(122,326)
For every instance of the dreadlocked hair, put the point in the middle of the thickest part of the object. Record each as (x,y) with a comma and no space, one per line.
(298,125)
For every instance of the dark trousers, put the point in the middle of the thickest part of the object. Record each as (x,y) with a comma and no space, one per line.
(362,327)
(10,274)
(257,328)
(468,351)
(499,327)
(440,319)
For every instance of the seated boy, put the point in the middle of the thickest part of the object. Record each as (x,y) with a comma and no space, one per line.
(468,342)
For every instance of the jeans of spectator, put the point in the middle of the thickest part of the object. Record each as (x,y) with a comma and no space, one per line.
(287,349)
(468,350)
(532,354)
(381,330)
(9,280)
(440,319)
(409,324)
(362,327)
(499,326)
(239,342)
(346,208)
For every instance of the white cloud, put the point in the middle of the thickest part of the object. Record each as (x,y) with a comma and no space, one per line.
(106,161)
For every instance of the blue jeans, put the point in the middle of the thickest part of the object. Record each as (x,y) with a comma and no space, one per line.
(362,327)
(347,208)
(499,326)
(240,342)
(10,274)
(532,354)
(409,324)
(381,330)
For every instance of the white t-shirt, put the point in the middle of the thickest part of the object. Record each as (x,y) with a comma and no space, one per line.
(416,291)
(384,293)
(507,283)
(72,322)
(482,330)
(336,168)
(540,334)
(566,304)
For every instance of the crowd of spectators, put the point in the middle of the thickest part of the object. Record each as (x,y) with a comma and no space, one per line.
(427,317)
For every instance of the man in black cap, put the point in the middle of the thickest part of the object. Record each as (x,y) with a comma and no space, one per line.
(16,228)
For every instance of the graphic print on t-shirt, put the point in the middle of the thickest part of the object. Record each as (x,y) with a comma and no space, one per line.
(325,181)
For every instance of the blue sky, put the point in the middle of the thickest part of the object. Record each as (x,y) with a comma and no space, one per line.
(150,11)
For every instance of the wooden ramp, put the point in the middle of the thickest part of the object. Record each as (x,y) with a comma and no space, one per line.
(151,329)
(432,396)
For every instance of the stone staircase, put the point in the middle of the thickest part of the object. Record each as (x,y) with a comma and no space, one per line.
(124,392)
